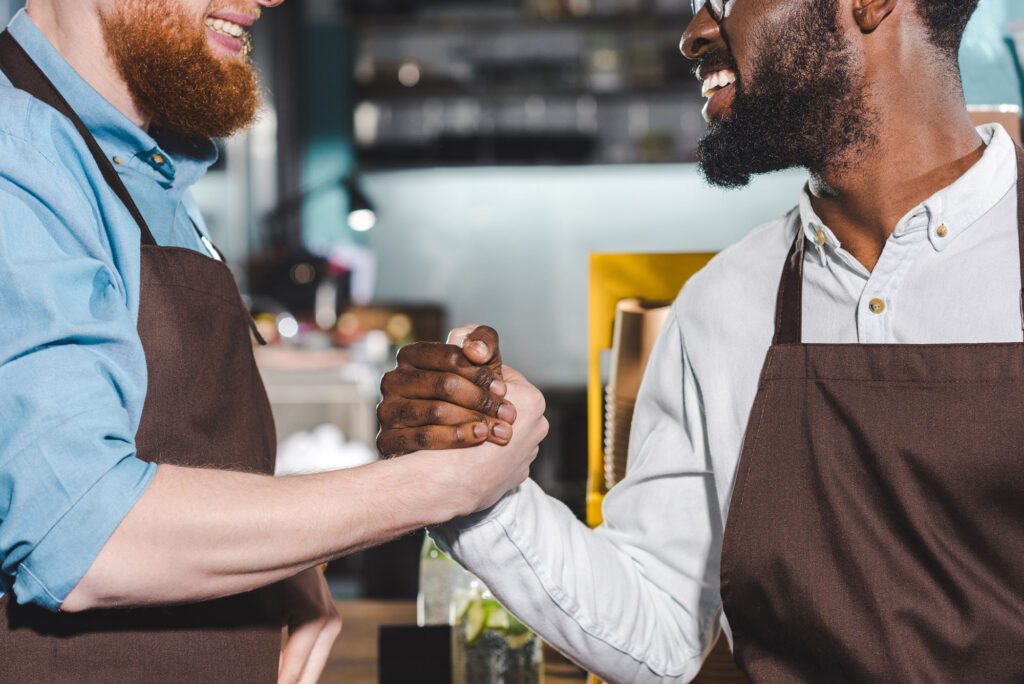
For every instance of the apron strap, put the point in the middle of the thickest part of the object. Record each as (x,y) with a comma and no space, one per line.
(1020,223)
(789,306)
(26,75)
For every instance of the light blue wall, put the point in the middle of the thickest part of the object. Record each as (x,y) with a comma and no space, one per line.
(509,246)
(988,65)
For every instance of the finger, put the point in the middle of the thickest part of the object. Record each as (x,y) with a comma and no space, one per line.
(321,651)
(482,348)
(451,359)
(397,413)
(459,335)
(501,433)
(446,387)
(405,441)
(301,640)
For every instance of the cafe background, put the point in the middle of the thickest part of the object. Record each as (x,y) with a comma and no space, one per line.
(423,164)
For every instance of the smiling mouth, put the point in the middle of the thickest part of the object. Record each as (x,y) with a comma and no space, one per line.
(716,81)
(717,86)
(225,27)
(231,34)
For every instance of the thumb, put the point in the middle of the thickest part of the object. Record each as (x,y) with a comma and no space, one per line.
(482,348)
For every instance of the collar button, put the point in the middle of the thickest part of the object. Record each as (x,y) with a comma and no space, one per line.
(942,231)
(158,159)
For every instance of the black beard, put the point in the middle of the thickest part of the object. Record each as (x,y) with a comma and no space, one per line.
(803,108)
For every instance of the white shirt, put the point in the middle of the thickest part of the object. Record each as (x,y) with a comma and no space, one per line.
(637,600)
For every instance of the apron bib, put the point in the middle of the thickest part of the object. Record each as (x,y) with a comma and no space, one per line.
(876,531)
(205,407)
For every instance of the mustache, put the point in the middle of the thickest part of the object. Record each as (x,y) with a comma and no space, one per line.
(716,60)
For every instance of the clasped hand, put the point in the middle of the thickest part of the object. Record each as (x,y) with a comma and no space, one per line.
(458,395)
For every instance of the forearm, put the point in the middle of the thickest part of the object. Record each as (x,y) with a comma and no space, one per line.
(584,593)
(201,534)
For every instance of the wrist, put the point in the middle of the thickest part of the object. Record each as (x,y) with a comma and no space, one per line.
(442,477)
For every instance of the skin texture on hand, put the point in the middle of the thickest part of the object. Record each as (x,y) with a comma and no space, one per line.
(446,396)
(313,625)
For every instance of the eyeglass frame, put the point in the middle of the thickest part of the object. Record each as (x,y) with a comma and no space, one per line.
(718,9)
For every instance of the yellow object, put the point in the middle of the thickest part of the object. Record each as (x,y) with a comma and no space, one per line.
(942,231)
(877,306)
(614,277)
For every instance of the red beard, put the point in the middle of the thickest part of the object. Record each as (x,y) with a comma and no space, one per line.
(173,75)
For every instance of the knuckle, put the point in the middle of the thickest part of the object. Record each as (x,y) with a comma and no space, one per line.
(453,357)
(539,402)
(382,412)
(404,353)
(483,377)
(486,331)
(406,412)
(435,414)
(422,439)
(459,436)
(447,385)
(487,404)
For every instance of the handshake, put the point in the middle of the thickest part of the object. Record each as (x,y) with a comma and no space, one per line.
(484,418)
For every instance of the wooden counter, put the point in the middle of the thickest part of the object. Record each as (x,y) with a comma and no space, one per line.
(354,658)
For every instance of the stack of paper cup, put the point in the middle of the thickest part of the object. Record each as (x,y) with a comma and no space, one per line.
(637,326)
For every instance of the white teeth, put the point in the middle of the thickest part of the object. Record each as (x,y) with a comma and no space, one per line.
(226,27)
(717,80)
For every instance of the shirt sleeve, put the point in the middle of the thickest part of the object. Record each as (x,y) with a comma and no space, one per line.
(636,600)
(71,364)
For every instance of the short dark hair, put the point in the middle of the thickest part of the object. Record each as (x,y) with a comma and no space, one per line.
(946,21)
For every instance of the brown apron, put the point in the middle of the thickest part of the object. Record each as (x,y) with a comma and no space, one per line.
(876,532)
(205,407)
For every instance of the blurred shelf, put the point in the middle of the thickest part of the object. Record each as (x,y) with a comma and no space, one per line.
(689,90)
(517,20)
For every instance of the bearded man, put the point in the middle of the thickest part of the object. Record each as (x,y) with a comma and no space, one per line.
(142,538)
(825,457)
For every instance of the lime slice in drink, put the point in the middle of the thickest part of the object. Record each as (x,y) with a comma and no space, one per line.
(498,619)
(517,641)
(475,620)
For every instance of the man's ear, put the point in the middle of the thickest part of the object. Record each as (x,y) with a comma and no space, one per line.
(869,14)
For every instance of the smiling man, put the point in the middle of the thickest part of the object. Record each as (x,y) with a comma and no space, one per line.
(825,454)
(142,538)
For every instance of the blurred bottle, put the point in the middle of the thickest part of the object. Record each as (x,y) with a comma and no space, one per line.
(438,577)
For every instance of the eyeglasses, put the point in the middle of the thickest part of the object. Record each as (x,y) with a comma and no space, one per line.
(718,9)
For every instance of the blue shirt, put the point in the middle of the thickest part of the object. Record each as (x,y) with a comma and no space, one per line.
(72,368)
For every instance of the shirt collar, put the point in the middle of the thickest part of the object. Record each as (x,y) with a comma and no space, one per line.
(950,211)
(126,144)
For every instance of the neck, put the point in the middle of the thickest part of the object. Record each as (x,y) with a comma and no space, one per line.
(74,29)
(924,142)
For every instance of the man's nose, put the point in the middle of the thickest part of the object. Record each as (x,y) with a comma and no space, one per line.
(701,33)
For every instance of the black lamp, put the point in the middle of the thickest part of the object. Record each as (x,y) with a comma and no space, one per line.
(361,214)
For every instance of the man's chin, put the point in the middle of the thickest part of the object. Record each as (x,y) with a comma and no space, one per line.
(721,166)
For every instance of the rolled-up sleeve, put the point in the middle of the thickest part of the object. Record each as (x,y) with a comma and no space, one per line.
(71,368)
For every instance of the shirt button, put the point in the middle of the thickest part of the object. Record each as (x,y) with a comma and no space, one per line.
(820,236)
(118,160)
(158,159)
(877,306)
(942,231)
